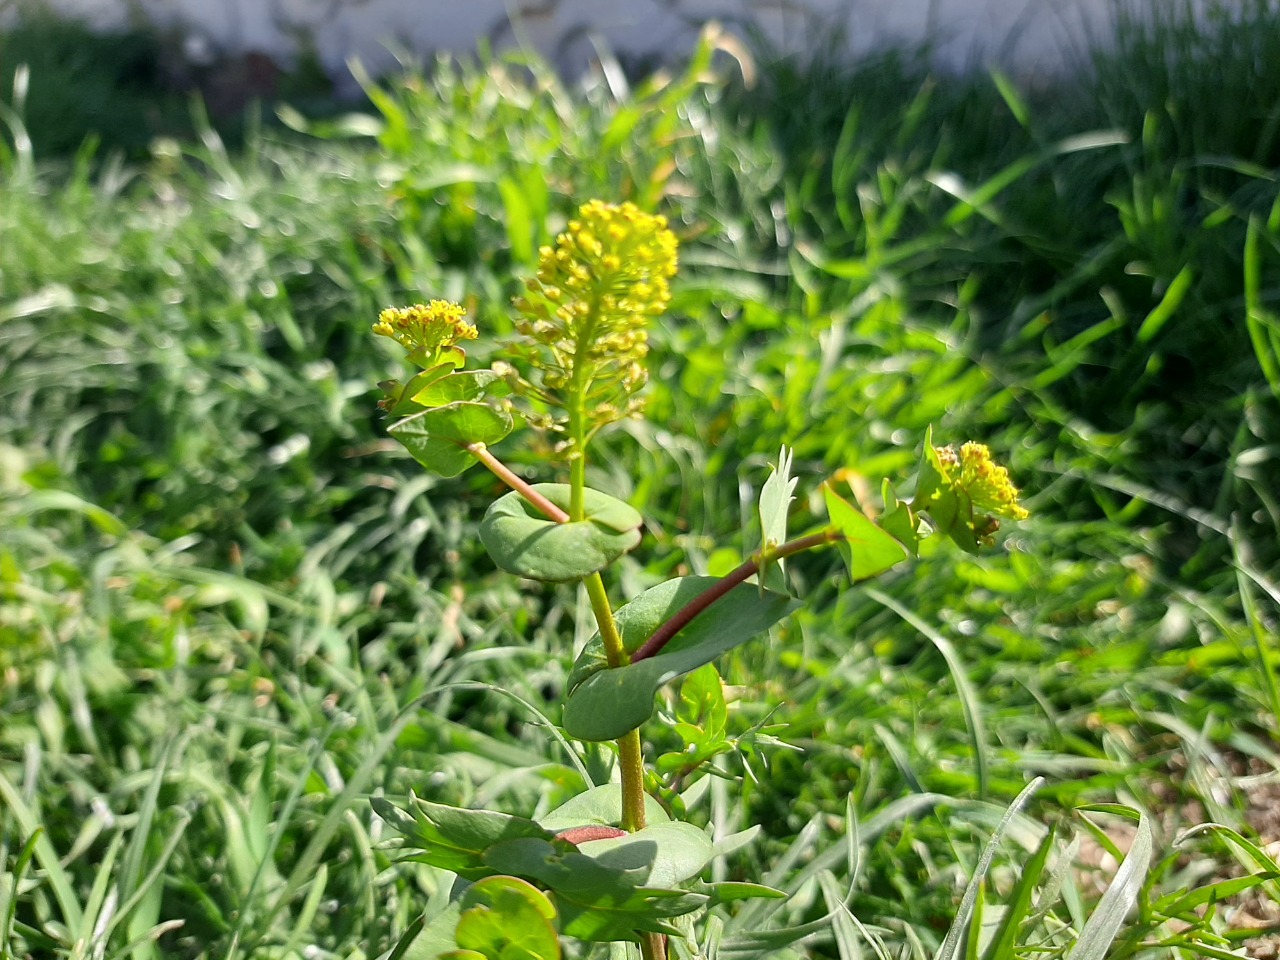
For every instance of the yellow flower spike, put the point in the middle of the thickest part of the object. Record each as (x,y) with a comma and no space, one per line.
(586,309)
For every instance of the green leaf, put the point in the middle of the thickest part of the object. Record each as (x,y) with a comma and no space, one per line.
(426,941)
(523,542)
(597,901)
(401,395)
(730,891)
(702,704)
(867,550)
(453,838)
(438,438)
(671,852)
(1104,923)
(951,943)
(506,918)
(775,503)
(1183,901)
(1004,942)
(600,806)
(463,386)
(603,704)
(946,502)
(898,520)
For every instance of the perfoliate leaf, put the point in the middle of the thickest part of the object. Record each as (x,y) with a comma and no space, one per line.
(898,520)
(523,542)
(603,704)
(438,438)
(429,942)
(866,548)
(400,402)
(600,806)
(671,852)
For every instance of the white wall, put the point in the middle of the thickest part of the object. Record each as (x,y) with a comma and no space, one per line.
(1026,36)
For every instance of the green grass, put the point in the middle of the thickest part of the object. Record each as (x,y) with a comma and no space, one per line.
(230,611)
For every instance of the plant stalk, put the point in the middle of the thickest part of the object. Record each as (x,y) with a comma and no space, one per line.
(505,474)
(630,756)
(662,636)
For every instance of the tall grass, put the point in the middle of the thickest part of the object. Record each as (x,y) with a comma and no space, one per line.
(230,613)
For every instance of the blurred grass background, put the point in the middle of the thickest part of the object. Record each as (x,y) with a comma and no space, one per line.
(230,610)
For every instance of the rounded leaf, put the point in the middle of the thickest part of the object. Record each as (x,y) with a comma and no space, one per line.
(506,917)
(672,852)
(523,542)
(438,439)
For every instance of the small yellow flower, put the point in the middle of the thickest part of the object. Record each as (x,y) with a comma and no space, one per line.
(986,482)
(426,329)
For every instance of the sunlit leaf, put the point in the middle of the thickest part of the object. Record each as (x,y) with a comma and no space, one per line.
(438,438)
(605,703)
(506,917)
(867,550)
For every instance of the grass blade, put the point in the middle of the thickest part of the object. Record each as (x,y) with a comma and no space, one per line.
(1107,918)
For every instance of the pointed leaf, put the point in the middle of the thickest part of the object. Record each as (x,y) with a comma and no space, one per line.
(775,503)
(523,542)
(604,704)
(453,838)
(729,891)
(1004,941)
(438,438)
(1182,901)
(867,550)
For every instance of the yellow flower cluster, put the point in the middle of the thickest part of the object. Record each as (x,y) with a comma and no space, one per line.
(986,483)
(426,328)
(590,302)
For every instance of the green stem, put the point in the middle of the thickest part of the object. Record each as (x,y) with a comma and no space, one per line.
(505,474)
(630,756)
(662,636)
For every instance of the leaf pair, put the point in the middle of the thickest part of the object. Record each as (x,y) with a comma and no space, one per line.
(603,890)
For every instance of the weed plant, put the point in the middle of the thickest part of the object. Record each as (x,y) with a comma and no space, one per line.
(230,613)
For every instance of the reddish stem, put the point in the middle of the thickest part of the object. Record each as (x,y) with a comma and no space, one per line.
(662,636)
(504,473)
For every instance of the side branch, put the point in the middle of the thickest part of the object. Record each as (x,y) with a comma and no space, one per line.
(504,473)
(662,636)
